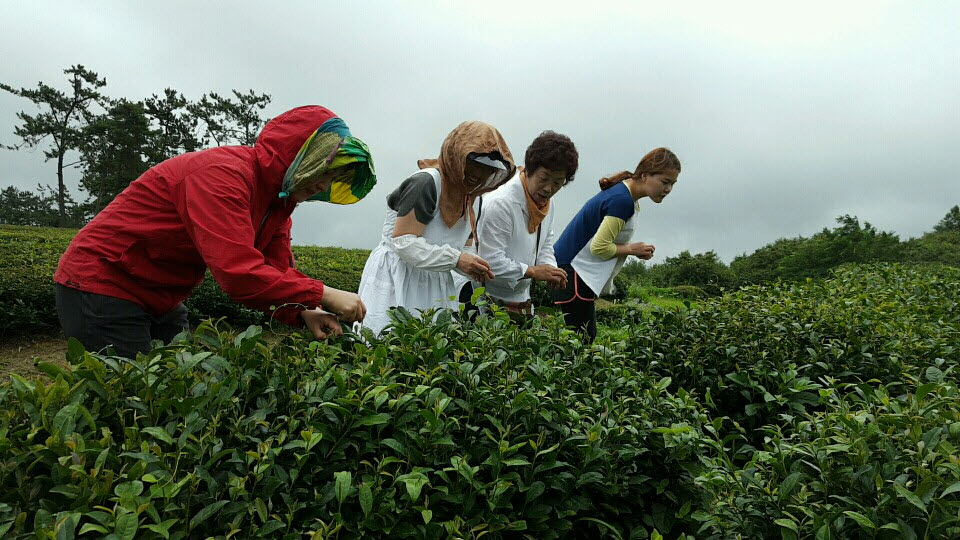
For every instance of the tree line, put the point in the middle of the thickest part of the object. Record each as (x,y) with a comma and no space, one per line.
(112,141)
(790,259)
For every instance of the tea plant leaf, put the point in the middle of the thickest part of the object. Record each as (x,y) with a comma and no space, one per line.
(913,499)
(374,419)
(205,513)
(589,478)
(934,374)
(536,489)
(159,433)
(952,489)
(788,524)
(342,485)
(87,527)
(366,498)
(613,530)
(126,526)
(65,420)
(789,483)
(863,520)
(414,483)
(128,490)
(162,528)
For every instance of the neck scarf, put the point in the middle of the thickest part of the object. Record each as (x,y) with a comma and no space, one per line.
(536,213)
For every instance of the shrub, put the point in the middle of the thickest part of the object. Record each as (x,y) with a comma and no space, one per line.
(439,429)
(878,461)
(704,270)
(761,352)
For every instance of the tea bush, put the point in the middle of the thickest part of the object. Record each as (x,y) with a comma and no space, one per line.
(29,258)
(761,352)
(816,409)
(442,429)
(878,462)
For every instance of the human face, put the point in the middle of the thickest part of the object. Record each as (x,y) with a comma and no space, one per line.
(659,185)
(544,183)
(319,185)
(483,177)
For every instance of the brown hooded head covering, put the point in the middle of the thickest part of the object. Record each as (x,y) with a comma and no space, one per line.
(469,137)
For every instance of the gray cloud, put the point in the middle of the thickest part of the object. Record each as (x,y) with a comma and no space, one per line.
(783,119)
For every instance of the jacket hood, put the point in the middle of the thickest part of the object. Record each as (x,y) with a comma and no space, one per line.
(282,138)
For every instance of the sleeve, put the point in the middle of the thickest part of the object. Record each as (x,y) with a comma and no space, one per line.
(620,206)
(417,193)
(416,251)
(278,253)
(546,254)
(214,205)
(495,231)
(602,245)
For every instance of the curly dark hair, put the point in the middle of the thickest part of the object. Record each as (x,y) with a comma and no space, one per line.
(552,151)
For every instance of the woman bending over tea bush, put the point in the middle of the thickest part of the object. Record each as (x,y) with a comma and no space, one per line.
(515,225)
(429,221)
(595,244)
(124,277)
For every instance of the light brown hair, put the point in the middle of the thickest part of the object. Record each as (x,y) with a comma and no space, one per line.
(656,161)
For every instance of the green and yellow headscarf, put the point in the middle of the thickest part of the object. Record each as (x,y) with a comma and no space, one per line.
(332,148)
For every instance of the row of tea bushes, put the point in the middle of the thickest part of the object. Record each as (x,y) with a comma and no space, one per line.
(764,351)
(818,410)
(441,430)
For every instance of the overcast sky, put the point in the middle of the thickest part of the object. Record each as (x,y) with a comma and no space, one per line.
(783,117)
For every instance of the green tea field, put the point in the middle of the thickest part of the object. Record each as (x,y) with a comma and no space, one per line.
(818,409)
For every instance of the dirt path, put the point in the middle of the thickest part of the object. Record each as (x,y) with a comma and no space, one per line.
(18,355)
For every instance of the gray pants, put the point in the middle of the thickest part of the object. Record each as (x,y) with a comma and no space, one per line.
(99,321)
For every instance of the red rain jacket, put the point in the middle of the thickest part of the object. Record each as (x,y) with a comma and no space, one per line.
(216,208)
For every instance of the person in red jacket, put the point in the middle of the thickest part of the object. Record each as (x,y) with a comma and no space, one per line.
(123,279)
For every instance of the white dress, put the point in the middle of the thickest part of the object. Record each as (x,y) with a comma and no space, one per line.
(389,281)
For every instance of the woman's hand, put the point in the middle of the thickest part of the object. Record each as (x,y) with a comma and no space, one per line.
(346,305)
(641,250)
(474,266)
(321,323)
(556,277)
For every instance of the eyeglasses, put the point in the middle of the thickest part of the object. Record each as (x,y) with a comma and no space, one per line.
(484,173)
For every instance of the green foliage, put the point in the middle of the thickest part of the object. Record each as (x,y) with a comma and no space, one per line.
(761,265)
(115,149)
(176,128)
(762,351)
(937,247)
(834,403)
(60,122)
(116,146)
(703,270)
(799,258)
(878,461)
(29,258)
(229,120)
(848,243)
(24,207)
(812,409)
(950,222)
(443,429)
